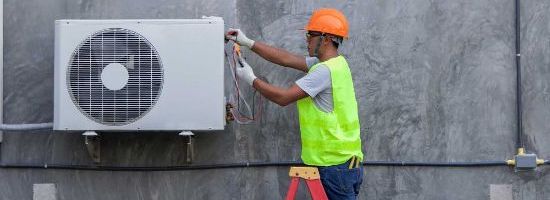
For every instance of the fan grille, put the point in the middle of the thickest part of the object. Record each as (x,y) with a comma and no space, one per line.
(144,81)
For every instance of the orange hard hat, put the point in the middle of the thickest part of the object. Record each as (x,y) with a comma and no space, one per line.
(328,20)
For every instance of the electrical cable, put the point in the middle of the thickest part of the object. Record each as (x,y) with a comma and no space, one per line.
(437,164)
(152,168)
(246,165)
(232,97)
(236,51)
(519,109)
(236,97)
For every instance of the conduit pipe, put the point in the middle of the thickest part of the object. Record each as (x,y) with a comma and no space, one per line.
(519,108)
(25,127)
(245,165)
(1,67)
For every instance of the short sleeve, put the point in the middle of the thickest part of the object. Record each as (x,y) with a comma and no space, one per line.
(315,81)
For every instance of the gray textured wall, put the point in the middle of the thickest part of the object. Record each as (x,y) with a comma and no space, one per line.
(435,81)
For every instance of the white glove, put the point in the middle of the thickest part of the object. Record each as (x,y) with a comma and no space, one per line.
(239,37)
(245,72)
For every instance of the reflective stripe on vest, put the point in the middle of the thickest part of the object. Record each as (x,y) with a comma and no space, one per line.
(331,138)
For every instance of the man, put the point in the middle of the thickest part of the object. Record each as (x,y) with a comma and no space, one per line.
(327,108)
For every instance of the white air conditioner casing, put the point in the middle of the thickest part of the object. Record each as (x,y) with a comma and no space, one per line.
(164,75)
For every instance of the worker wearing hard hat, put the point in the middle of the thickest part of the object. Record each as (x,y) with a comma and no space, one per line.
(327,107)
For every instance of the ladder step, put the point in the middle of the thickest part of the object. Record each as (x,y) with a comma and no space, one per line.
(313,182)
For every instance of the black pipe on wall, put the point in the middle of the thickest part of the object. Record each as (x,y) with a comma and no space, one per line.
(519,109)
(246,165)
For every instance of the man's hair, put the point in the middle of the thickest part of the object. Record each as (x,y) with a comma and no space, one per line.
(335,44)
(336,40)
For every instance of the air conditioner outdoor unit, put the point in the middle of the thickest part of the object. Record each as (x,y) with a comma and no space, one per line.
(139,74)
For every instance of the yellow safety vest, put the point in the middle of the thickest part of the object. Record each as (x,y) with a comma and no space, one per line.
(331,138)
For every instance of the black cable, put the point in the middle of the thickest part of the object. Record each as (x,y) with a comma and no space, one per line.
(519,109)
(254,99)
(436,164)
(153,168)
(254,105)
(246,165)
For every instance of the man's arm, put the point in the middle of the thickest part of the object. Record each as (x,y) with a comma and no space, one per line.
(272,54)
(280,56)
(280,96)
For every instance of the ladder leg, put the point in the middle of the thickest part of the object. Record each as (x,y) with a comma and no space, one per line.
(292,188)
(316,189)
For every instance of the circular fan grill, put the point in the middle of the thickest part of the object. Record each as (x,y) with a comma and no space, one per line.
(115,76)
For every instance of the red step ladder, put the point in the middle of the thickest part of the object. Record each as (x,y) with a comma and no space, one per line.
(313,181)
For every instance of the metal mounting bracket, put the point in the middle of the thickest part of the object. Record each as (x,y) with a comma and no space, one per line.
(93,145)
(190,149)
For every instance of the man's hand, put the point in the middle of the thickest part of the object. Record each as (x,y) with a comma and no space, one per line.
(239,37)
(245,72)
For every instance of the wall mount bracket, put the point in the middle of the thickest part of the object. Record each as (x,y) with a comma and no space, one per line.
(189,145)
(93,145)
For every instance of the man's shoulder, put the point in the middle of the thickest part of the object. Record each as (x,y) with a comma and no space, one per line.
(311,61)
(320,68)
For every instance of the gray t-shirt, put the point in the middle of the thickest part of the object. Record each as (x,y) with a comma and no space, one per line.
(318,85)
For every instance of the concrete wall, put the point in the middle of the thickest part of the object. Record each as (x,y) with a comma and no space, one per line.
(435,81)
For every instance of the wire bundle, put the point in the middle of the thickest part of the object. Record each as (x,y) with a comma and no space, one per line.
(235,97)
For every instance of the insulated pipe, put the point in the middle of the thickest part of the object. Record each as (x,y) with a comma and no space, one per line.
(519,109)
(436,164)
(25,127)
(159,168)
(246,165)
(1,67)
